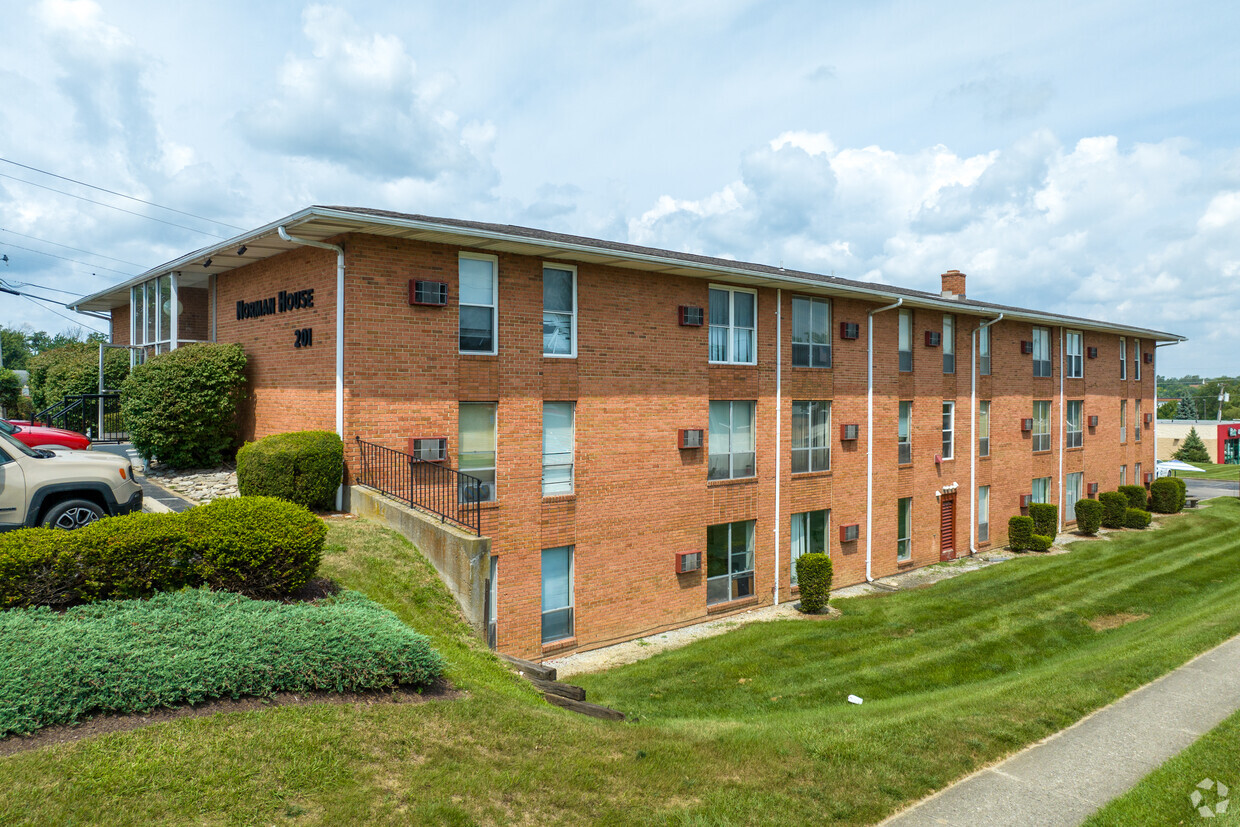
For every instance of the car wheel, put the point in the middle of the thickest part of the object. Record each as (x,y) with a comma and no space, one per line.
(72,514)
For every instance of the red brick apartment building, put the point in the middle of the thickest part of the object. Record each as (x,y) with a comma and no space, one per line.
(629,409)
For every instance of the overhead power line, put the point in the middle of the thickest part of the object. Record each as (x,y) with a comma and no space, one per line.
(121,195)
(44,287)
(63,316)
(64,258)
(67,247)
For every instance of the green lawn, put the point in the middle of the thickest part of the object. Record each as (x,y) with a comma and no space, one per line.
(1164,796)
(751,727)
(1213,472)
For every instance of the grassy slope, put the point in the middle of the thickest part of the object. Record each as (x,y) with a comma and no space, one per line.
(1231,473)
(954,676)
(1162,797)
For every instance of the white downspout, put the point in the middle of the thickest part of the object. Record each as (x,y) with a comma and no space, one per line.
(174,332)
(339,335)
(869,438)
(1063,428)
(779,418)
(973,438)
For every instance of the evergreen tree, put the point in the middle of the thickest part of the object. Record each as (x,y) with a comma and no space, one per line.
(1193,449)
(1187,408)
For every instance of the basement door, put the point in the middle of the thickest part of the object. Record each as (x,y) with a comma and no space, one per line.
(947,527)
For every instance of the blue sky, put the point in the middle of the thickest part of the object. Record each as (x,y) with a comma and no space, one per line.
(1079,157)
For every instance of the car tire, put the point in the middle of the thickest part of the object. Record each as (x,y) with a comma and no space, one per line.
(72,514)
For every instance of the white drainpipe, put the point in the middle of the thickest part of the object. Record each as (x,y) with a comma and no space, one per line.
(779,418)
(339,335)
(973,439)
(869,440)
(1063,436)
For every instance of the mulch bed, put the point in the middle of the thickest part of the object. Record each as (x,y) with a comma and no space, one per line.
(440,690)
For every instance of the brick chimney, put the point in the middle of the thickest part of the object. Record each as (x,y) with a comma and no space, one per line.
(953,284)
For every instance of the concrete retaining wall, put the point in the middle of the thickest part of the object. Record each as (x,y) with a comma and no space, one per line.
(462,560)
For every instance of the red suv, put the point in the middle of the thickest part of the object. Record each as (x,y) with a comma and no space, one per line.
(39,436)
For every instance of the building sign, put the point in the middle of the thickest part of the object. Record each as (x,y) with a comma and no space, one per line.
(282,303)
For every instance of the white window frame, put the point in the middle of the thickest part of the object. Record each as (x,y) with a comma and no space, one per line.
(816,305)
(949,343)
(1123,475)
(1136,419)
(1073,430)
(1123,422)
(1042,352)
(730,453)
(494,302)
(731,326)
(494,449)
(983,350)
(904,340)
(1074,355)
(949,430)
(1123,358)
(1041,425)
(983,428)
(809,450)
(733,576)
(570,607)
(572,320)
(1136,474)
(557,489)
(1136,359)
(1072,483)
(905,424)
(983,513)
(796,549)
(904,533)
(1043,483)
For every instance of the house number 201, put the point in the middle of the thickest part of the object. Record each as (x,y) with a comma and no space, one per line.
(304,337)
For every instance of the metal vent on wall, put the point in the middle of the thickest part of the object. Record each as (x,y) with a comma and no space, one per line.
(429,293)
(690,316)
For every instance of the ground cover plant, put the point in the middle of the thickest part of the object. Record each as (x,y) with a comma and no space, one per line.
(195,645)
(752,727)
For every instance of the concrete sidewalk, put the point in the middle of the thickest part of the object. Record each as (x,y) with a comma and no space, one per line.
(1066,777)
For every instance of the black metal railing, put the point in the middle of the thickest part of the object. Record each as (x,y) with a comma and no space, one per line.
(98,415)
(432,487)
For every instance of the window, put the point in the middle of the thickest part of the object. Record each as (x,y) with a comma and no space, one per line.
(479,275)
(904,529)
(983,428)
(1136,359)
(1041,426)
(476,439)
(983,350)
(1123,475)
(151,306)
(493,603)
(1073,362)
(809,536)
(1136,419)
(811,437)
(906,341)
(905,433)
(949,429)
(557,593)
(1136,475)
(731,440)
(729,561)
(983,513)
(1073,484)
(811,333)
(1123,359)
(1041,351)
(1123,421)
(1073,435)
(1042,490)
(557,473)
(559,310)
(949,344)
(733,318)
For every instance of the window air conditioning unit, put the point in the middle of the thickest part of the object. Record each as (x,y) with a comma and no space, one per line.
(483,495)
(1026,500)
(1148,358)
(1026,424)
(1026,347)
(933,338)
(687,561)
(849,532)
(1093,489)
(849,431)
(1149,477)
(687,438)
(690,316)
(849,330)
(1093,421)
(429,449)
(1149,417)
(1092,351)
(432,293)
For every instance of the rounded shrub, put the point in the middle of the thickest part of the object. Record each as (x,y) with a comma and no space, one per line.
(1041,542)
(256,546)
(1114,504)
(1164,495)
(304,467)
(814,573)
(181,406)
(1020,533)
(1182,497)
(134,556)
(1088,516)
(1045,518)
(1136,495)
(1136,518)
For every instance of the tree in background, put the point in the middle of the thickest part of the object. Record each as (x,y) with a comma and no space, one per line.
(1193,449)
(74,368)
(10,394)
(1186,408)
(1167,410)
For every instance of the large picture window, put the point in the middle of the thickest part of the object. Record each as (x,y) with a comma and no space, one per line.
(1041,426)
(811,437)
(1041,351)
(557,474)
(479,286)
(811,333)
(729,561)
(809,536)
(476,438)
(1073,435)
(731,444)
(557,593)
(733,324)
(559,311)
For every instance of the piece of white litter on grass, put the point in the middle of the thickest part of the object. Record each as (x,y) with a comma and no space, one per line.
(853,699)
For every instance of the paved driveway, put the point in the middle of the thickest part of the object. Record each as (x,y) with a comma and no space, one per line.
(1205,489)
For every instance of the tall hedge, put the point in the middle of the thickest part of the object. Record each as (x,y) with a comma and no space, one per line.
(1045,518)
(1088,516)
(181,406)
(1020,533)
(1136,495)
(1114,504)
(305,467)
(74,368)
(814,580)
